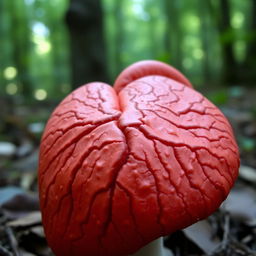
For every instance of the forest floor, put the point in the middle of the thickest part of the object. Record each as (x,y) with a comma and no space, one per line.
(231,231)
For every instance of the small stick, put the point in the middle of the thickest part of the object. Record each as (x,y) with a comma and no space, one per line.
(226,230)
(4,252)
(13,241)
(155,248)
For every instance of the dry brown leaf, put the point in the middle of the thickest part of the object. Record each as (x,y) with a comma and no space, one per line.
(31,219)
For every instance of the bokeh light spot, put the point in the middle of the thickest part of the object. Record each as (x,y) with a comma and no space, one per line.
(237,20)
(198,54)
(10,73)
(11,89)
(40,94)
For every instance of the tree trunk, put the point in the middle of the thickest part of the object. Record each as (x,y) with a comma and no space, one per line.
(152,28)
(174,31)
(21,45)
(248,73)
(3,57)
(226,33)
(58,40)
(204,12)
(118,41)
(168,30)
(84,20)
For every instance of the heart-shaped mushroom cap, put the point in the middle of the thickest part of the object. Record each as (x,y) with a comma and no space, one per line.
(146,68)
(120,170)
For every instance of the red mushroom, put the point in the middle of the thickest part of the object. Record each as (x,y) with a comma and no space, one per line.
(119,170)
(146,68)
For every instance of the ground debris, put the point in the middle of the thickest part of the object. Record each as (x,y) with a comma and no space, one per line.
(233,248)
(230,231)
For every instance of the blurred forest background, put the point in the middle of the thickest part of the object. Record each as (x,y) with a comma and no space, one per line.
(43,42)
(48,48)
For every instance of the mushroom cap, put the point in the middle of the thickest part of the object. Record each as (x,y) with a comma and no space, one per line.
(148,68)
(118,171)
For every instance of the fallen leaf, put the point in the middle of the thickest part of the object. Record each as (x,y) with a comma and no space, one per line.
(241,203)
(22,202)
(7,149)
(201,234)
(38,230)
(31,219)
(24,149)
(25,253)
(27,179)
(28,163)
(7,193)
(247,173)
(36,128)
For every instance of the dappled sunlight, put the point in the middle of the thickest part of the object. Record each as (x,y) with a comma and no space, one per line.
(40,94)
(39,37)
(192,21)
(40,29)
(189,36)
(198,53)
(29,2)
(42,45)
(237,20)
(240,47)
(34,48)
(11,89)
(139,10)
(10,73)
(142,125)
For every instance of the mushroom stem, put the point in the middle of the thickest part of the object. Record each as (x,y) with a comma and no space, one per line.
(155,248)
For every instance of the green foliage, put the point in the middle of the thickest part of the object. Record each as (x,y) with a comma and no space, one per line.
(247,144)
(219,97)
(35,47)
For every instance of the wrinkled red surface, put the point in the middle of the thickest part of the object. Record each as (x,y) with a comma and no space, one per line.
(119,170)
(148,68)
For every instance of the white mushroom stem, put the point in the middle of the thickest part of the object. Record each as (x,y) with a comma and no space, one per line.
(155,248)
